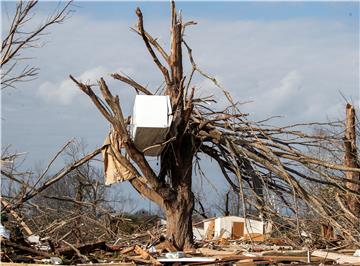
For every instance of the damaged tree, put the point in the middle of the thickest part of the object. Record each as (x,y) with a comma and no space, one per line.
(351,159)
(268,161)
(173,194)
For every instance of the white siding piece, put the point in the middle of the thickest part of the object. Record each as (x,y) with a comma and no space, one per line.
(207,223)
(198,233)
(225,223)
(253,226)
(151,122)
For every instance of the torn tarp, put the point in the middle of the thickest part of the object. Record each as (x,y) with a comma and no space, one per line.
(114,170)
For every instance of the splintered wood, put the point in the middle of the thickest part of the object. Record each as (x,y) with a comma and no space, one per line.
(146,256)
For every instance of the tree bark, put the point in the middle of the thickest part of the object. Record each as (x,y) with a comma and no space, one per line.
(179,210)
(179,218)
(350,159)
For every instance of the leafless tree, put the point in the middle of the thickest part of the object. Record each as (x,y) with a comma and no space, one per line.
(23,35)
(26,185)
(71,207)
(273,162)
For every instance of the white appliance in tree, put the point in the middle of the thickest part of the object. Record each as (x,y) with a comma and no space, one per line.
(151,122)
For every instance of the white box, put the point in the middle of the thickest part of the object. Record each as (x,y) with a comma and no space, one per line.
(151,122)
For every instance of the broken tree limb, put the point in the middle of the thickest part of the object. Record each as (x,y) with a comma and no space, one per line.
(7,243)
(155,44)
(83,258)
(351,160)
(82,248)
(163,69)
(17,217)
(55,178)
(132,83)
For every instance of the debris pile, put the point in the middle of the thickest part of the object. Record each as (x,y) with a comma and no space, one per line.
(150,247)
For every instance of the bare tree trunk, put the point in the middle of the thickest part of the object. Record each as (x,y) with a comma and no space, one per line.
(179,155)
(179,209)
(350,159)
(179,218)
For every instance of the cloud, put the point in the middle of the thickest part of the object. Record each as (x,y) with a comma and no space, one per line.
(291,67)
(66,91)
(289,86)
(275,99)
(294,67)
(62,93)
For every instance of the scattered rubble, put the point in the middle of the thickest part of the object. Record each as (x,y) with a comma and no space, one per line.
(151,248)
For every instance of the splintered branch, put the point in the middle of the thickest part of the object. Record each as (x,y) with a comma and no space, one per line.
(89,92)
(113,103)
(163,69)
(176,51)
(55,178)
(214,80)
(132,83)
(155,44)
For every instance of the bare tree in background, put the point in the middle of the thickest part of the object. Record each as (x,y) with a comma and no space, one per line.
(66,205)
(21,36)
(75,197)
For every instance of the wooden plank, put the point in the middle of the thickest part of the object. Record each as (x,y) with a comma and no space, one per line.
(237,230)
(231,257)
(146,256)
(127,250)
(25,264)
(339,258)
(298,253)
(285,258)
(212,252)
(137,260)
(102,264)
(245,262)
(265,258)
(256,237)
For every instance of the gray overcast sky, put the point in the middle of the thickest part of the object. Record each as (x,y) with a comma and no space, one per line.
(290,59)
